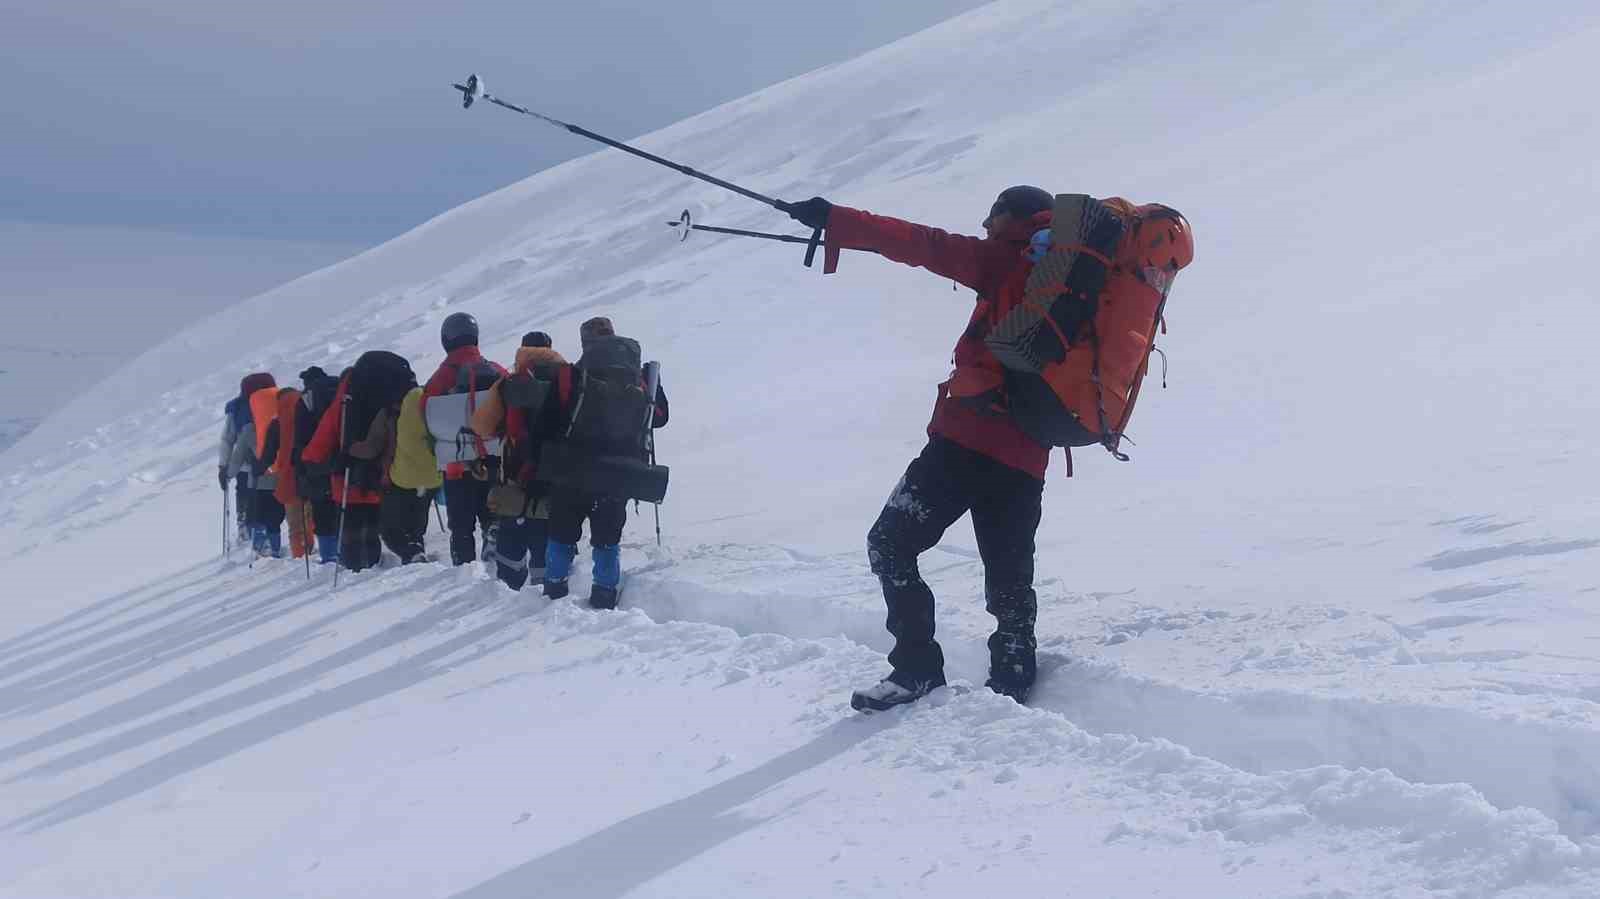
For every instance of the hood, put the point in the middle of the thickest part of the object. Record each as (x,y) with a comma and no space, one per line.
(529,356)
(256,381)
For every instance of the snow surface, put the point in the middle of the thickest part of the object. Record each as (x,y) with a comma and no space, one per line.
(1331,634)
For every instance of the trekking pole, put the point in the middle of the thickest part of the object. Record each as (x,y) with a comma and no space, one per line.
(344,512)
(305,540)
(652,381)
(737,232)
(250,517)
(227,515)
(656,505)
(474,89)
(344,500)
(686,222)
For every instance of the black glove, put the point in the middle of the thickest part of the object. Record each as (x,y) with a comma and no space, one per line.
(222,477)
(812,213)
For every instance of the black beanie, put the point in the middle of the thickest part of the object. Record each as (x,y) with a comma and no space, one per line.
(536,338)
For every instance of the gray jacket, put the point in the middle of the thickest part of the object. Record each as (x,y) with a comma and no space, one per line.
(243,458)
(230,437)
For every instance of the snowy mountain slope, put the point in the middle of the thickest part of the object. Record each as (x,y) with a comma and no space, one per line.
(1350,566)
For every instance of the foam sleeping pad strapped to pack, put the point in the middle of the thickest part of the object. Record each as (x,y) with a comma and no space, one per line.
(449,418)
(627,477)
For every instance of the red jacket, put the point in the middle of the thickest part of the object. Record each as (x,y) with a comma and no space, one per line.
(444,381)
(327,442)
(970,410)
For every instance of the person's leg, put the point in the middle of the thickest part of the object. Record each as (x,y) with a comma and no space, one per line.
(538,538)
(417,525)
(397,522)
(371,544)
(269,516)
(461,512)
(360,531)
(929,498)
(607,518)
(241,505)
(511,551)
(325,521)
(295,514)
(1005,518)
(487,520)
(568,508)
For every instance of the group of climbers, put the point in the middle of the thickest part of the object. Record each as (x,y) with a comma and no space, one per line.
(356,462)
(1071,292)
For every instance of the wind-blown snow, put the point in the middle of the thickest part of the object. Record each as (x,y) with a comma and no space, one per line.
(1330,633)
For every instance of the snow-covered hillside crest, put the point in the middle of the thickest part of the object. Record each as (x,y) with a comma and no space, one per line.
(1329,634)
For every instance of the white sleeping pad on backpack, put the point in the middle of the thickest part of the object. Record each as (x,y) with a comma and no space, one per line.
(448,418)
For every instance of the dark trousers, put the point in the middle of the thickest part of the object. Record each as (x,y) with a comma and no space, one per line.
(519,546)
(325,517)
(265,510)
(466,501)
(606,514)
(403,521)
(241,497)
(360,547)
(942,484)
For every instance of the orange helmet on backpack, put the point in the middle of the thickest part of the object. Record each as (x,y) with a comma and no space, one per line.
(1162,238)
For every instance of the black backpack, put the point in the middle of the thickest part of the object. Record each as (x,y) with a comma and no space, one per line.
(312,481)
(380,380)
(609,407)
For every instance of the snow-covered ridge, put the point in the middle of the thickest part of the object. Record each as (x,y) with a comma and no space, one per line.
(1330,634)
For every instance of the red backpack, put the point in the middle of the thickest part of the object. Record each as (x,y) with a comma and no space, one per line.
(1078,345)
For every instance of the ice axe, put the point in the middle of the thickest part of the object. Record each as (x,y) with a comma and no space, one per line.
(473,90)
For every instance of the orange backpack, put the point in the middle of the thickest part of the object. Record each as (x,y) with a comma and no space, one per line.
(264,411)
(1078,346)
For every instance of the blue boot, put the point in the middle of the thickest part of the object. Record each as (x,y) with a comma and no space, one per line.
(275,543)
(327,548)
(258,540)
(558,567)
(607,577)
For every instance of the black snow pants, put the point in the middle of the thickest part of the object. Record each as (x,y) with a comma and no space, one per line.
(403,521)
(325,517)
(360,547)
(607,516)
(942,484)
(519,549)
(265,510)
(466,507)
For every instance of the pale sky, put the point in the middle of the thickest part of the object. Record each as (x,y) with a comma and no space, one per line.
(162,159)
(334,121)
